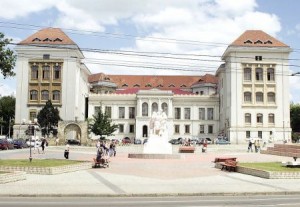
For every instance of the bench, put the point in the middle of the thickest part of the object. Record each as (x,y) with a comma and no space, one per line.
(223,159)
(100,163)
(229,165)
(186,149)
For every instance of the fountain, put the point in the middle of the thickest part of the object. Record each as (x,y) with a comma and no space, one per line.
(157,146)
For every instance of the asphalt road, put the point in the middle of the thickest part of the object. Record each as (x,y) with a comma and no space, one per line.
(259,200)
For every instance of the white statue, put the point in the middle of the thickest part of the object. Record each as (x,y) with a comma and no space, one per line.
(158,123)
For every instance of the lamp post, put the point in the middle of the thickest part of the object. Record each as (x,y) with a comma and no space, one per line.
(31,132)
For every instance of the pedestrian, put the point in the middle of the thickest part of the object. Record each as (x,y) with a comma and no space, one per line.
(257,145)
(112,149)
(67,151)
(36,146)
(250,145)
(43,144)
(204,146)
(56,141)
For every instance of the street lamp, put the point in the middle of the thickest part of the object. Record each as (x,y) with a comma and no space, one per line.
(31,132)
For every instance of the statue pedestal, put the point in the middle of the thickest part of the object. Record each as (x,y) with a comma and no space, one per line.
(157,145)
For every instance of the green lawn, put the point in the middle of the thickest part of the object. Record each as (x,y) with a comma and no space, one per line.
(269,166)
(37,162)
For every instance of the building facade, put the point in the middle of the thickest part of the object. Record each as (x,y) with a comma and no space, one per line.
(247,97)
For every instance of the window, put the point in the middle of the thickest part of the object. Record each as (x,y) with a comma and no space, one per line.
(97,109)
(57,69)
(270,74)
(259,74)
(201,129)
(248,118)
(108,111)
(259,133)
(121,128)
(210,114)
(247,74)
(258,58)
(33,95)
(176,128)
(34,72)
(56,95)
(187,129)
(164,107)
(46,72)
(201,92)
(121,112)
(45,95)
(210,129)
(46,56)
(154,107)
(131,128)
(248,134)
(32,115)
(247,97)
(201,113)
(131,112)
(187,113)
(259,118)
(177,113)
(259,97)
(271,119)
(271,97)
(144,109)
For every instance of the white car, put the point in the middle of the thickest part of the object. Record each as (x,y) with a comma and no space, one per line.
(39,142)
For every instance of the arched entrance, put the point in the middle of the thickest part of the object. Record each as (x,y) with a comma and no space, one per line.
(145,131)
(72,131)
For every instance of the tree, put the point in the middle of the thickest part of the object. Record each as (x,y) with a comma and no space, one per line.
(7,57)
(101,125)
(48,119)
(7,114)
(295,121)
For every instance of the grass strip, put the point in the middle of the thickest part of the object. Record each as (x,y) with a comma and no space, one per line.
(269,166)
(37,162)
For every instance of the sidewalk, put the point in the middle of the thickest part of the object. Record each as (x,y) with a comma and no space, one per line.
(193,174)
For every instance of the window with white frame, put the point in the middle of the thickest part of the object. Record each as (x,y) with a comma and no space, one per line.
(131,128)
(210,129)
(259,134)
(259,97)
(248,134)
(201,113)
(201,131)
(177,129)
(271,118)
(121,112)
(34,72)
(259,74)
(57,71)
(247,74)
(177,113)
(210,113)
(247,118)
(33,95)
(271,97)
(55,95)
(187,129)
(121,128)
(154,107)
(46,72)
(97,109)
(270,74)
(45,95)
(108,111)
(247,97)
(131,112)
(145,109)
(187,113)
(259,118)
(164,107)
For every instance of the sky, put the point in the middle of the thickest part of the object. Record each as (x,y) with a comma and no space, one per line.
(154,37)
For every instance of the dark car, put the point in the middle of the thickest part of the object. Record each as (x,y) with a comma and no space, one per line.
(145,141)
(73,142)
(176,141)
(20,143)
(126,140)
(5,145)
(137,141)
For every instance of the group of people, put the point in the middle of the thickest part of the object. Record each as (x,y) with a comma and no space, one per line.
(255,143)
(105,150)
(37,145)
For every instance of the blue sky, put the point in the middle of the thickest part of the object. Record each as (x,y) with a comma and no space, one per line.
(178,28)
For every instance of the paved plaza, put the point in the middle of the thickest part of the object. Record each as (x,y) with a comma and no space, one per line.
(193,174)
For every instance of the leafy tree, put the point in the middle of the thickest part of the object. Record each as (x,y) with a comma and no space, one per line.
(101,125)
(7,113)
(295,121)
(7,57)
(48,119)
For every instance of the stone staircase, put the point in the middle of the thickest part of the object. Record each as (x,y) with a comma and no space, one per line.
(287,150)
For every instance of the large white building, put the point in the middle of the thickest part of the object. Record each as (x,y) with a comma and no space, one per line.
(248,96)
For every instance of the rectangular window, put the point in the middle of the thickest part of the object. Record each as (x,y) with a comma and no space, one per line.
(108,111)
(187,113)
(34,72)
(247,134)
(57,70)
(201,113)
(121,128)
(210,114)
(210,129)
(177,113)
(258,58)
(131,112)
(247,74)
(46,56)
(46,72)
(121,112)
(259,74)
(259,133)
(32,115)
(187,129)
(201,129)
(97,109)
(176,129)
(131,128)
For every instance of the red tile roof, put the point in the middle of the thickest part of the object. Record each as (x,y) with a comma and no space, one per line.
(51,36)
(257,38)
(152,81)
(176,91)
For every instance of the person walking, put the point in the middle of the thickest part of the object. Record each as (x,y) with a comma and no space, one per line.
(250,145)
(36,147)
(43,145)
(67,151)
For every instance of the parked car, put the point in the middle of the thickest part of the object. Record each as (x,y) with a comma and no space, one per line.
(137,141)
(208,140)
(73,142)
(126,140)
(116,141)
(5,145)
(20,143)
(222,141)
(175,141)
(145,141)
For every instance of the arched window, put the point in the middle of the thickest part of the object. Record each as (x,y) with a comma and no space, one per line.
(259,74)
(57,71)
(247,97)
(34,72)
(144,109)
(247,74)
(259,118)
(270,74)
(154,107)
(45,95)
(248,118)
(164,107)
(271,97)
(259,97)
(271,119)
(46,72)
(56,95)
(33,95)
